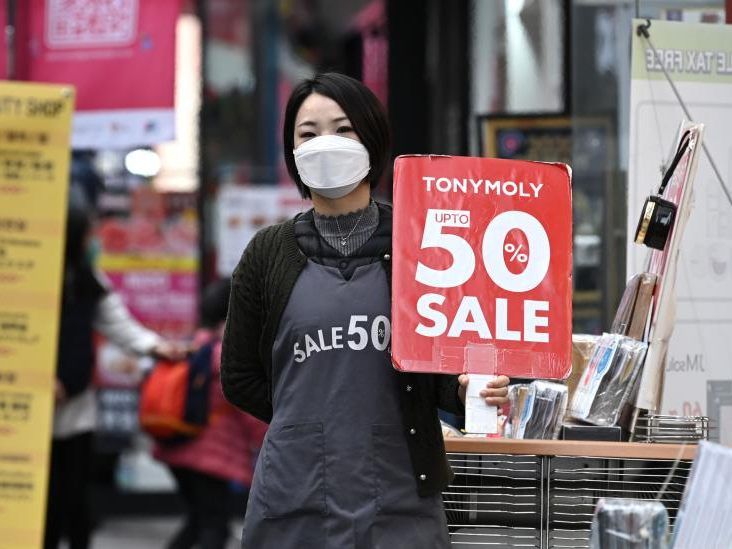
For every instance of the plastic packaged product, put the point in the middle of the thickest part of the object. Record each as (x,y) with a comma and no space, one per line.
(617,385)
(597,367)
(448,431)
(608,380)
(582,347)
(550,402)
(520,398)
(537,410)
(629,524)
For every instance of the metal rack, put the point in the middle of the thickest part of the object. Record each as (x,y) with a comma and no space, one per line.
(542,494)
(671,429)
(494,501)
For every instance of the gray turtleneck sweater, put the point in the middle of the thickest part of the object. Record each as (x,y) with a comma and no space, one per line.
(355,227)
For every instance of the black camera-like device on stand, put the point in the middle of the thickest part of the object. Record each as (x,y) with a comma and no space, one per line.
(658,215)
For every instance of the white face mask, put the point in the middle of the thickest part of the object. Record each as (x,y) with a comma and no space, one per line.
(331,165)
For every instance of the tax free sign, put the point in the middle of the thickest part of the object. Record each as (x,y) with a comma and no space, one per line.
(482,273)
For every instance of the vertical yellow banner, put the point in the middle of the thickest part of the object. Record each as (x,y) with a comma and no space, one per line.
(35,127)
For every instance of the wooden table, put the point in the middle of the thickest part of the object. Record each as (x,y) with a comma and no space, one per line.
(573,448)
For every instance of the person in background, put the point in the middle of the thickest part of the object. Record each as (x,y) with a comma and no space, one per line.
(87,305)
(205,466)
(354,455)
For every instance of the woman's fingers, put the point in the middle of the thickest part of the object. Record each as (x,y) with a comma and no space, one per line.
(501,392)
(499,381)
(495,397)
(495,392)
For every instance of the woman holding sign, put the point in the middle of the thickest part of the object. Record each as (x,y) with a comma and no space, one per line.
(354,456)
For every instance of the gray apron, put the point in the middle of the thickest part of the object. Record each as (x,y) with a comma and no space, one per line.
(334,471)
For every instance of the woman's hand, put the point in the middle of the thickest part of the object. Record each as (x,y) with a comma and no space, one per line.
(59,392)
(169,350)
(495,392)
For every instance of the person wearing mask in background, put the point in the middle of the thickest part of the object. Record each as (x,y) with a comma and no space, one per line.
(354,455)
(205,466)
(87,305)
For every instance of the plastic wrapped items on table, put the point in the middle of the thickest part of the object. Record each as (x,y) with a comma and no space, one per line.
(537,410)
(630,524)
(608,380)
(582,346)
(448,431)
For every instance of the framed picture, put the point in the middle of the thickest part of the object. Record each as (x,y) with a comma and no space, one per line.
(546,138)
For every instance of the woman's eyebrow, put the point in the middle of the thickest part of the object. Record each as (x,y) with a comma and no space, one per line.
(307,123)
(340,119)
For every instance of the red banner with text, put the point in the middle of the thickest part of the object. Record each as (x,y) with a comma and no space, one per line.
(482,268)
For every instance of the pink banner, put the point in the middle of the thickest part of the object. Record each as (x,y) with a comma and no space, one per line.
(119,54)
(150,256)
(163,301)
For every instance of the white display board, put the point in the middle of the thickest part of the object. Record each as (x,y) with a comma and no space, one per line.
(242,210)
(698,58)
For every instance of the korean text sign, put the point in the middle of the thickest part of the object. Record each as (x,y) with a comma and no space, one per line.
(482,273)
(35,129)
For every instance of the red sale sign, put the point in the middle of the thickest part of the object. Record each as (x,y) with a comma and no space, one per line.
(482,273)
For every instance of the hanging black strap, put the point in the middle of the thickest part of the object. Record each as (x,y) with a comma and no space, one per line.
(683,146)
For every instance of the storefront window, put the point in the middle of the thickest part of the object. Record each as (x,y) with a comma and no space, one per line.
(255,52)
(550,81)
(600,95)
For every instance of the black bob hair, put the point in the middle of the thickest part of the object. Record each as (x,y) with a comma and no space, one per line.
(80,282)
(363,110)
(215,303)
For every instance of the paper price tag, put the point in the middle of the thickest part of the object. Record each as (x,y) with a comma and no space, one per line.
(479,416)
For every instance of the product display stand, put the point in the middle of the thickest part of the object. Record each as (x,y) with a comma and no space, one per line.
(543,493)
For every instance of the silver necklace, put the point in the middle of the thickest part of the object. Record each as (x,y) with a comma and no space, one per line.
(344,239)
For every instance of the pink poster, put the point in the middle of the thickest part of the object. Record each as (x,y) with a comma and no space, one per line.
(151,260)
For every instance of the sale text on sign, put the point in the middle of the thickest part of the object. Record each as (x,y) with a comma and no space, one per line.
(482,274)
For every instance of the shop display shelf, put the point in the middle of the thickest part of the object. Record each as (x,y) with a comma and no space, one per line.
(542,494)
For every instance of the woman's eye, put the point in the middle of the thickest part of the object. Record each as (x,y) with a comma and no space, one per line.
(345,129)
(307,135)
